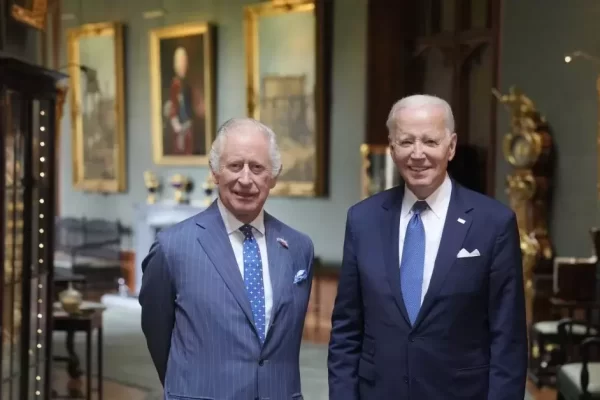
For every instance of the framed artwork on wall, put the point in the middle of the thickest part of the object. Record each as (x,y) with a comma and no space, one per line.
(182,93)
(287,72)
(96,69)
(30,12)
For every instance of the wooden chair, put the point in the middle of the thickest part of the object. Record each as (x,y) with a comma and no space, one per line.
(578,376)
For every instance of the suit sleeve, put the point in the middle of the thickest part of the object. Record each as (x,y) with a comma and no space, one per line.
(508,326)
(157,298)
(346,326)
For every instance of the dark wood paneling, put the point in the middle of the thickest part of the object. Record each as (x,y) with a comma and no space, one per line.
(389,26)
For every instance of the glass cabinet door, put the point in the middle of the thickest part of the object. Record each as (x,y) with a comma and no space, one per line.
(26,228)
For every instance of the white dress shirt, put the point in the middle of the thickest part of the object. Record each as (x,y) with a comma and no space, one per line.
(236,237)
(433,219)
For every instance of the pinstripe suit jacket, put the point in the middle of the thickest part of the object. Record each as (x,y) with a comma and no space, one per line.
(197,319)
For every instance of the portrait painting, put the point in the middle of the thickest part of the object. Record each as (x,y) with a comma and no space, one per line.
(95,54)
(284,90)
(181,73)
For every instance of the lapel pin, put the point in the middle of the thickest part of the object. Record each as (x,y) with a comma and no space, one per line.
(462,221)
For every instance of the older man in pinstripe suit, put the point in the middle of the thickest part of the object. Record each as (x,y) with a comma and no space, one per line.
(224,293)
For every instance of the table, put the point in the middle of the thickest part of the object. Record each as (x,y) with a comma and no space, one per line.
(88,321)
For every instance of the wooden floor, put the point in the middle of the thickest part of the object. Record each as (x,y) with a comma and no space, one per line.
(112,390)
(543,394)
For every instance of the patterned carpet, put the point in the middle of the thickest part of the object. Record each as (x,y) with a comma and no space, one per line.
(126,358)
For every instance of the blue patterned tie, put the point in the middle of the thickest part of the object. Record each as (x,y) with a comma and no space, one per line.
(413,262)
(253,277)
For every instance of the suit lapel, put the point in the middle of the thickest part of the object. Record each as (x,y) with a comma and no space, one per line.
(453,235)
(280,265)
(391,229)
(214,240)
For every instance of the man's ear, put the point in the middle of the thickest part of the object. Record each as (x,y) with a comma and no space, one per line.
(452,147)
(212,172)
(274,178)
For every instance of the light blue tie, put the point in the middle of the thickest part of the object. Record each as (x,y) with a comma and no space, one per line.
(253,277)
(413,262)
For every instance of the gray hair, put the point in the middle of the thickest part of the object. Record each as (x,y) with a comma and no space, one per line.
(421,100)
(232,127)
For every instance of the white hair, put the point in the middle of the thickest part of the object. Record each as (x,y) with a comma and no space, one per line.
(234,126)
(421,100)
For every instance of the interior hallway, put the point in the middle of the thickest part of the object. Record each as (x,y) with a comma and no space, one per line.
(130,375)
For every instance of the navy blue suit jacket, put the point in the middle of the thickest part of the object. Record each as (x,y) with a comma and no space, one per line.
(197,318)
(470,338)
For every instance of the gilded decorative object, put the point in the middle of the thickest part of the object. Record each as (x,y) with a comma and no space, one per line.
(97,81)
(71,299)
(183,186)
(153,186)
(378,171)
(34,15)
(527,147)
(209,187)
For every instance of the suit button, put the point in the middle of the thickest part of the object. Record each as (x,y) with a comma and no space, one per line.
(412,340)
(261,363)
(405,379)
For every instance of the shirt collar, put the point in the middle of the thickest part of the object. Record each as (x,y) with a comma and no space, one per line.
(437,201)
(232,224)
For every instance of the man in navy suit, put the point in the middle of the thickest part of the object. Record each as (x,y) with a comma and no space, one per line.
(224,294)
(430,303)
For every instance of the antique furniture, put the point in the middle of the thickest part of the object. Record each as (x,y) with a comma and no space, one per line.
(527,148)
(92,248)
(574,293)
(30,101)
(88,320)
(578,377)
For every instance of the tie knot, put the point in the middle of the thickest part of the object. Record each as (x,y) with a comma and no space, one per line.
(420,206)
(246,230)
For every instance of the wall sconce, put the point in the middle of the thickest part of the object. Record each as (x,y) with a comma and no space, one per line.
(580,54)
(595,60)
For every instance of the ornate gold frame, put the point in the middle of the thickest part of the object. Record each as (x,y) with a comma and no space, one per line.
(114,30)
(252,14)
(34,17)
(169,32)
(366,180)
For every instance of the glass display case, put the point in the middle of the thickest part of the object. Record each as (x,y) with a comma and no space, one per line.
(28,98)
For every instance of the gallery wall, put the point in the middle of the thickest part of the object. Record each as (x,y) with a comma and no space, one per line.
(323,219)
(535,39)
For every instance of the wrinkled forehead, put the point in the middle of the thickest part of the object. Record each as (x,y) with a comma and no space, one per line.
(420,121)
(246,145)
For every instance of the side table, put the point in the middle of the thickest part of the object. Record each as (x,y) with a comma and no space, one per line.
(88,321)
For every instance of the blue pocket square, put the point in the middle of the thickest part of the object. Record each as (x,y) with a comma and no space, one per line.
(300,276)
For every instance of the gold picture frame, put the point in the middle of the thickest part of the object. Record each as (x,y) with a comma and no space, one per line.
(182,131)
(34,16)
(378,171)
(97,107)
(288,78)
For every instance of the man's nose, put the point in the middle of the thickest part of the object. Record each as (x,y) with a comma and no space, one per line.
(417,151)
(244,178)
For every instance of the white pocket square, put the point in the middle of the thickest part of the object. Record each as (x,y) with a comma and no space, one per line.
(463,253)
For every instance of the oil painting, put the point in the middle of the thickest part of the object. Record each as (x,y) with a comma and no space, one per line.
(95,54)
(285,90)
(182,91)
